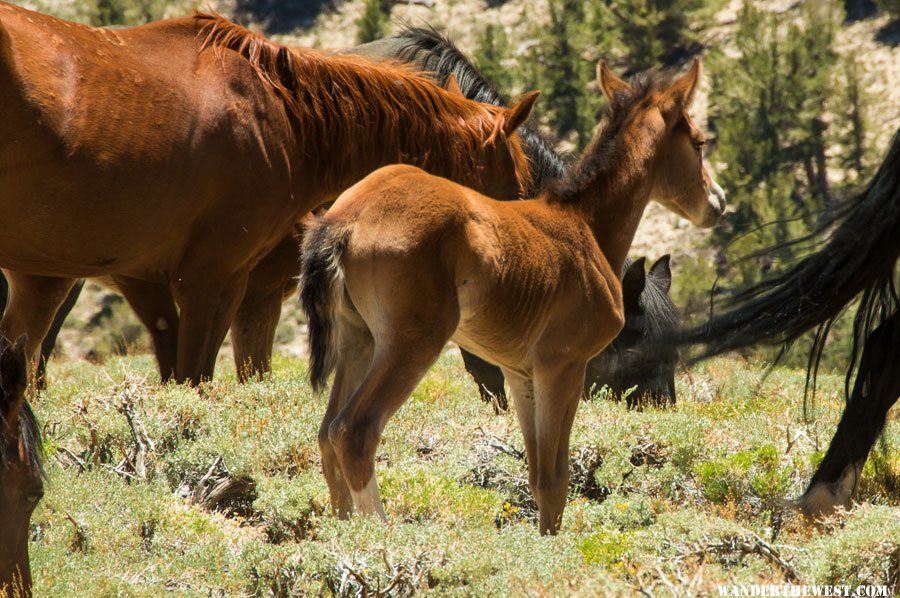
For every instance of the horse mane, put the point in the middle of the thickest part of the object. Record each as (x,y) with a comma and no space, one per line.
(604,151)
(858,256)
(436,53)
(338,99)
(29,438)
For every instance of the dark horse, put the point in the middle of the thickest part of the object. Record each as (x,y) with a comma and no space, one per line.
(21,472)
(858,260)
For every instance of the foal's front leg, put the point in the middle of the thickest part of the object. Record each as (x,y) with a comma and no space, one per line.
(557,392)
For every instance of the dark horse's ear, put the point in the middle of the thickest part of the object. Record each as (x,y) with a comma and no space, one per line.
(661,271)
(633,283)
(452,85)
(615,90)
(14,380)
(514,117)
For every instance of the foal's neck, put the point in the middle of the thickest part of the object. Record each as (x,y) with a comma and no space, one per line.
(612,198)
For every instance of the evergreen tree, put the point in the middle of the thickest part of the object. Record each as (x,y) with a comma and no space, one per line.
(492,50)
(373,24)
(658,31)
(769,102)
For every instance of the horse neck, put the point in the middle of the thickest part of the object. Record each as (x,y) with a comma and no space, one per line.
(612,200)
(399,127)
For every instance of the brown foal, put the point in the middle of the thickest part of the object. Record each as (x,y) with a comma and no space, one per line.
(405,261)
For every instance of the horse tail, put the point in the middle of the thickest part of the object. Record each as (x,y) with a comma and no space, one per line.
(321,279)
(858,254)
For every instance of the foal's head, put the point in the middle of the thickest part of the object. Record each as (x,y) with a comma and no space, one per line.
(680,180)
(21,476)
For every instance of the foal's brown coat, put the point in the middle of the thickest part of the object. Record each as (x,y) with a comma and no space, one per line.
(173,157)
(405,261)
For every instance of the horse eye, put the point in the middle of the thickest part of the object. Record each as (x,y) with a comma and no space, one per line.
(699,145)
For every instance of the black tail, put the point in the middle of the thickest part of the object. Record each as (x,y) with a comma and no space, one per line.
(436,53)
(859,257)
(321,278)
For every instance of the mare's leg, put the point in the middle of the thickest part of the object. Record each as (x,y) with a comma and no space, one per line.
(32,304)
(557,392)
(253,331)
(49,342)
(876,389)
(208,306)
(155,308)
(355,346)
(489,379)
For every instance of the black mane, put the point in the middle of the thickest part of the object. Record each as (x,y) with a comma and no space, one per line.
(437,54)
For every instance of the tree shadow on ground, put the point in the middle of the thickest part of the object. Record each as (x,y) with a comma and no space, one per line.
(281,16)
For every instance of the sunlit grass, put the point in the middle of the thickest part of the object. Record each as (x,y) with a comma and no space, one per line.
(671,483)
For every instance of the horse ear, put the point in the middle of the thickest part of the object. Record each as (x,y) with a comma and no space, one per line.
(661,271)
(633,283)
(452,85)
(14,380)
(514,117)
(613,87)
(682,90)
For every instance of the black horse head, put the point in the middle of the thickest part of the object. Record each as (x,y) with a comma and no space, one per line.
(634,364)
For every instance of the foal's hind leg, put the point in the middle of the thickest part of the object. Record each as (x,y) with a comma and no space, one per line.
(876,389)
(33,302)
(397,367)
(155,308)
(355,345)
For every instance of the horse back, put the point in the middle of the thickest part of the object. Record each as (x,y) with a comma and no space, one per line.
(114,138)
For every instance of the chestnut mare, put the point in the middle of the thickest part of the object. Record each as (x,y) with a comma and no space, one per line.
(21,473)
(405,261)
(172,158)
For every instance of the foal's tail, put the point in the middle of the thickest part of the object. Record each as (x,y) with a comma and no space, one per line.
(321,279)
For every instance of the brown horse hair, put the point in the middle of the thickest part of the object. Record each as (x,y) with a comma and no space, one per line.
(335,100)
(30,445)
(30,441)
(602,151)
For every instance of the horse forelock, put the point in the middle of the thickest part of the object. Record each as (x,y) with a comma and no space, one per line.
(337,100)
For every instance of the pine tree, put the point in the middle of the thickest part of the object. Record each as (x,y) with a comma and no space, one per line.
(768,108)
(658,31)
(373,24)
(492,50)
